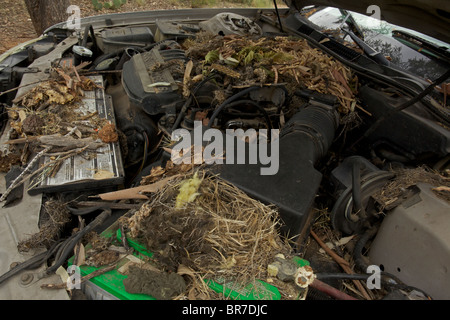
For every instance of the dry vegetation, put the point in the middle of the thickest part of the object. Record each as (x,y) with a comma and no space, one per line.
(222,234)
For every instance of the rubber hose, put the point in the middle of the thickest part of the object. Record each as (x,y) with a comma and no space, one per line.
(72,242)
(31,263)
(253,103)
(228,101)
(359,247)
(356,190)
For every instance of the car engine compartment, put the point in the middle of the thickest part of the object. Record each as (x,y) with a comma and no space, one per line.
(363,148)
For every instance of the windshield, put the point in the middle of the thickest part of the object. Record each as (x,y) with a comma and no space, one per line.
(379,35)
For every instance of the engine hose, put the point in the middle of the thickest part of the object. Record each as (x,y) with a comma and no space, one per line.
(82,212)
(256,105)
(228,101)
(188,102)
(87,30)
(387,279)
(359,247)
(115,53)
(407,104)
(356,190)
(71,242)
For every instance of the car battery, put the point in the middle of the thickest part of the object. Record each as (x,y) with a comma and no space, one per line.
(102,168)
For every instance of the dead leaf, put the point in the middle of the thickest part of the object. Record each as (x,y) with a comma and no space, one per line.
(137,192)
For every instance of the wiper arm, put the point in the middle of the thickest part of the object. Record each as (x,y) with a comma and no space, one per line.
(350,21)
(376,56)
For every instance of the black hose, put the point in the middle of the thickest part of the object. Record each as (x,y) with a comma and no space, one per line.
(256,105)
(85,211)
(278,15)
(87,30)
(188,102)
(228,101)
(387,279)
(182,113)
(115,53)
(356,189)
(71,242)
(359,247)
(408,103)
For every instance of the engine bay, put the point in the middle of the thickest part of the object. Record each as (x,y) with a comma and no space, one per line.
(363,149)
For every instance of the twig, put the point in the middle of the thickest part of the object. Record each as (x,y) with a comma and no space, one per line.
(71,131)
(77,151)
(18,180)
(343,263)
(17,88)
(83,279)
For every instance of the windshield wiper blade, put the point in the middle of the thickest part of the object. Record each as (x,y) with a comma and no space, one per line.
(376,56)
(425,47)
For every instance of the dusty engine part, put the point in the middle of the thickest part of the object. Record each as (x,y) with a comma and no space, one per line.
(138,128)
(303,141)
(413,243)
(175,31)
(355,181)
(150,78)
(415,133)
(231,23)
(116,38)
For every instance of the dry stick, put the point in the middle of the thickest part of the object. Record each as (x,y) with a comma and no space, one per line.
(83,279)
(18,180)
(344,264)
(75,152)
(17,88)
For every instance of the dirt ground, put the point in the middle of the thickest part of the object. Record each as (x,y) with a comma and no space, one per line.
(16,26)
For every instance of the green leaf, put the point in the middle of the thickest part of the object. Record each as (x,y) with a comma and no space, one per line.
(249,58)
(212,56)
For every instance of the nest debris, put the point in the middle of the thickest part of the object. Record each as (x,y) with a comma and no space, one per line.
(55,217)
(291,61)
(221,235)
(405,178)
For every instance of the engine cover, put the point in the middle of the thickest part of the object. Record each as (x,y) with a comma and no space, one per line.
(413,243)
(150,78)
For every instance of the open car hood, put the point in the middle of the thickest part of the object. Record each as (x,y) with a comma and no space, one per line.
(431,17)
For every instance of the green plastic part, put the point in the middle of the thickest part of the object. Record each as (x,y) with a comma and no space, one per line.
(112,281)
(259,290)
(300,262)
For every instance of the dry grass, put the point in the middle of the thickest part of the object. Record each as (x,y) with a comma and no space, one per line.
(405,178)
(56,216)
(222,235)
